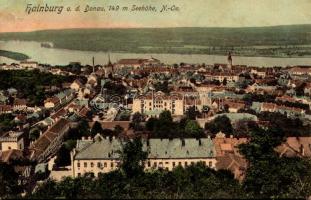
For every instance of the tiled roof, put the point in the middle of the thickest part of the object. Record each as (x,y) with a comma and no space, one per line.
(104,148)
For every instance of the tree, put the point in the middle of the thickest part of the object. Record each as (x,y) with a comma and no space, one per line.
(193,129)
(192,113)
(9,182)
(150,124)
(220,123)
(97,128)
(224,82)
(34,134)
(272,176)
(136,120)
(166,116)
(133,158)
(118,129)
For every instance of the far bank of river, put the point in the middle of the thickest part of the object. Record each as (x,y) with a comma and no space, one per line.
(63,56)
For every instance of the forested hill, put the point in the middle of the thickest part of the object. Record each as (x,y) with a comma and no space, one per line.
(289,40)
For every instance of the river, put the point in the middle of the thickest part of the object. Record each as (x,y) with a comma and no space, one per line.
(55,56)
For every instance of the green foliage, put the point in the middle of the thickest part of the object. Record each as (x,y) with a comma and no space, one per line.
(35,80)
(34,134)
(192,113)
(195,181)
(133,158)
(162,86)
(290,126)
(271,176)
(9,181)
(221,123)
(193,128)
(13,55)
(136,121)
(97,128)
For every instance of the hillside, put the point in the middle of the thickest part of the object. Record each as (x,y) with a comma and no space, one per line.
(293,40)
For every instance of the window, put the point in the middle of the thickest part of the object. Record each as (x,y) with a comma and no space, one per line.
(111,164)
(155,164)
(210,163)
(173,164)
(192,163)
(92,164)
(149,164)
(179,163)
(85,164)
(78,164)
(99,165)
(79,174)
(166,163)
(186,164)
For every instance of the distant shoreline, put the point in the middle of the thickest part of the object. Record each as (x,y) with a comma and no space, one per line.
(14,55)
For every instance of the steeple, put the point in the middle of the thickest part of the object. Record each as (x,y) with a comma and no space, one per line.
(109,61)
(93,60)
(229,60)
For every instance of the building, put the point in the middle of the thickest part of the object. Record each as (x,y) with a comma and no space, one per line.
(295,147)
(51,102)
(102,155)
(50,141)
(76,85)
(20,104)
(228,156)
(12,140)
(4,109)
(137,62)
(29,65)
(152,104)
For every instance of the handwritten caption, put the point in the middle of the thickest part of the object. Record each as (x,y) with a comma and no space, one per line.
(59,9)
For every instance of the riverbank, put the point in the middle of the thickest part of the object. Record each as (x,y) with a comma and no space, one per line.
(14,55)
(278,42)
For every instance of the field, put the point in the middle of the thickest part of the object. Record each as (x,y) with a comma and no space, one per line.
(278,41)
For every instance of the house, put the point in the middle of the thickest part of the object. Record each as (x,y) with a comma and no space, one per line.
(29,65)
(300,70)
(12,140)
(76,85)
(4,109)
(20,104)
(152,104)
(52,102)
(137,62)
(228,156)
(50,141)
(101,154)
(234,106)
(295,147)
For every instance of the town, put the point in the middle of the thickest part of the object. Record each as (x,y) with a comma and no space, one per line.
(73,121)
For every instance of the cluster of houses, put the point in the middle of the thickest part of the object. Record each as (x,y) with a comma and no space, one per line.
(213,90)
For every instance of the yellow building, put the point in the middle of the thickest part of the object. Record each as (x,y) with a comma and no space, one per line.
(152,104)
(102,155)
(12,140)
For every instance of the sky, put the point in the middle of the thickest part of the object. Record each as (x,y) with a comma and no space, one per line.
(192,13)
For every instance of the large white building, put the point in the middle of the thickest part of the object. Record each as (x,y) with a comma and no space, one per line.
(102,155)
(152,104)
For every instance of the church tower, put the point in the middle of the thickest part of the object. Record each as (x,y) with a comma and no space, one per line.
(229,61)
